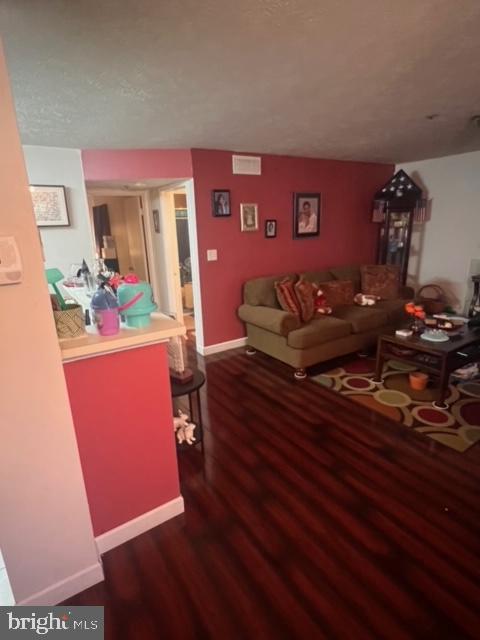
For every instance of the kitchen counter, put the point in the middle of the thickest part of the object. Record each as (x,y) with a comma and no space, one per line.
(93,344)
(120,396)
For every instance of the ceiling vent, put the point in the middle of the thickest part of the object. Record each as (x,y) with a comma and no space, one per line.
(247,165)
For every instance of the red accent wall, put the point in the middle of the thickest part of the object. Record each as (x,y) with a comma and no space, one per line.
(346,236)
(122,412)
(136,164)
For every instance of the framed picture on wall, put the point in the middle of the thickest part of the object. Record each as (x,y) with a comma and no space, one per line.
(50,205)
(249,217)
(306,214)
(270,228)
(221,203)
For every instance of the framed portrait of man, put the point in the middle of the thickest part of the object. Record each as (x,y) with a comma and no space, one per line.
(306,214)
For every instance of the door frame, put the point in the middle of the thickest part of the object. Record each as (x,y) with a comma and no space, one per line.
(171,241)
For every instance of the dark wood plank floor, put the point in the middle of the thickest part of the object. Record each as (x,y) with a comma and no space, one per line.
(308,517)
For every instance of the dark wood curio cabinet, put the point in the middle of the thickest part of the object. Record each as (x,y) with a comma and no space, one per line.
(397,205)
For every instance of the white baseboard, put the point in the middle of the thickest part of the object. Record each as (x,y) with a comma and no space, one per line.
(135,527)
(66,588)
(222,346)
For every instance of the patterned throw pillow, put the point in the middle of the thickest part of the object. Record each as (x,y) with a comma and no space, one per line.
(286,296)
(382,280)
(338,292)
(306,292)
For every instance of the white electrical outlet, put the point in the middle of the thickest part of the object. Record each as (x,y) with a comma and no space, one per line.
(211,255)
(10,262)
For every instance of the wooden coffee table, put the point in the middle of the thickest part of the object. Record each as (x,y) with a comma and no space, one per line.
(440,359)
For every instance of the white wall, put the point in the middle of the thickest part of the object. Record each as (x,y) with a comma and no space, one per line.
(443,247)
(63,245)
(45,527)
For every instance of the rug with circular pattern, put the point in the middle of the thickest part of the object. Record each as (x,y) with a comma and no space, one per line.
(457,428)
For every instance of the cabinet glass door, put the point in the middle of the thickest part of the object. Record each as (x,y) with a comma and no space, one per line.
(398,240)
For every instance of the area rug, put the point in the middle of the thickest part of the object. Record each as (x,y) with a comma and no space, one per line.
(457,428)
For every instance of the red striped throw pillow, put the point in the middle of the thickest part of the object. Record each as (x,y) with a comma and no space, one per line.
(286,296)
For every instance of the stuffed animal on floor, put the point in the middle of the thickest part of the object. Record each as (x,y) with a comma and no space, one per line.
(365,300)
(320,301)
(183,428)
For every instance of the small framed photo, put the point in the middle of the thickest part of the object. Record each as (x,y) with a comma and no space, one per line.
(249,217)
(221,203)
(270,228)
(49,205)
(306,214)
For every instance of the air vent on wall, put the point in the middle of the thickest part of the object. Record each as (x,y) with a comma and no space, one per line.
(247,165)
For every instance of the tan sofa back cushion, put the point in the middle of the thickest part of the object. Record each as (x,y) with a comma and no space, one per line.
(317,276)
(351,273)
(260,292)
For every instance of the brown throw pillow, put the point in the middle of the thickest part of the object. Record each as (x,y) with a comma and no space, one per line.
(286,296)
(382,280)
(305,295)
(337,292)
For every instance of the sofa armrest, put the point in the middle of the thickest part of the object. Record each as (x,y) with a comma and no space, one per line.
(274,320)
(406,293)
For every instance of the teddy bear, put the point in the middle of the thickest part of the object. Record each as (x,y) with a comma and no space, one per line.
(183,428)
(365,300)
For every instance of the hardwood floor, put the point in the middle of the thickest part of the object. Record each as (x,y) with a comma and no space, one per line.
(308,517)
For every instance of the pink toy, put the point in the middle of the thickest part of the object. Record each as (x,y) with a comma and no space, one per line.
(131,278)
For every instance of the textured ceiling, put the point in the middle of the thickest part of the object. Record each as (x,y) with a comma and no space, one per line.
(329,78)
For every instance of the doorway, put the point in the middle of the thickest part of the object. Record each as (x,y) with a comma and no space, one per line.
(119,233)
(175,254)
(184,260)
(165,217)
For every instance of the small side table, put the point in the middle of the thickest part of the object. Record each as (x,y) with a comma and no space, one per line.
(188,389)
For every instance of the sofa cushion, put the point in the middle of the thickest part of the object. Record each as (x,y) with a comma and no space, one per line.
(274,320)
(317,276)
(318,331)
(361,318)
(382,280)
(395,310)
(351,273)
(286,296)
(261,291)
(337,292)
(306,294)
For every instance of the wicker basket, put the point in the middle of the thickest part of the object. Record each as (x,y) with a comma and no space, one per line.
(434,301)
(71,322)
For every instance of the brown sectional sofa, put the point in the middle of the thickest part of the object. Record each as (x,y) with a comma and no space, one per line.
(350,328)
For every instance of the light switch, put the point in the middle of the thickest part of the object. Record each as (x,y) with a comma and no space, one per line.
(211,255)
(10,262)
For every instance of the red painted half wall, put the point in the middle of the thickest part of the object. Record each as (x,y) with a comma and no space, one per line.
(136,164)
(346,235)
(122,412)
